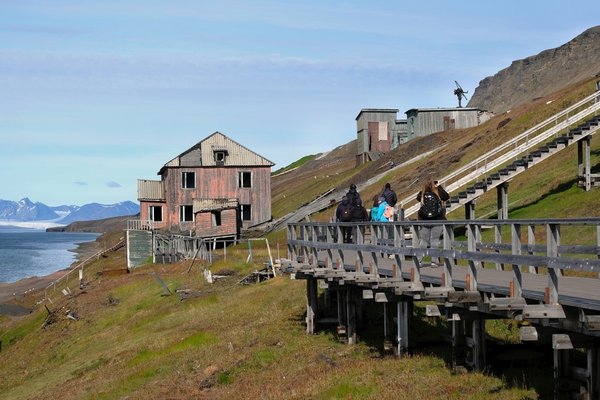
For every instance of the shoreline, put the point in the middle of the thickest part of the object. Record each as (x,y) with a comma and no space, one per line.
(12,291)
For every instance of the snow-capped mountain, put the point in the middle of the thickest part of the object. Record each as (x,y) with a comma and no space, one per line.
(95,211)
(25,210)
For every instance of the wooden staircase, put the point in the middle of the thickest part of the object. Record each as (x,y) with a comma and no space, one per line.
(580,121)
(522,164)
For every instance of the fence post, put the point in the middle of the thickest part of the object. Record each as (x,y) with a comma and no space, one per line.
(552,240)
(515,233)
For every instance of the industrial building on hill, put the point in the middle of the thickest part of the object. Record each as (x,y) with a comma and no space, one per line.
(379,131)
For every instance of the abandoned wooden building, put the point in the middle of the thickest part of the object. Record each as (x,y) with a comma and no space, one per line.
(206,195)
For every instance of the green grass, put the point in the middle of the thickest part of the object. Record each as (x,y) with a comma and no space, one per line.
(238,341)
(295,164)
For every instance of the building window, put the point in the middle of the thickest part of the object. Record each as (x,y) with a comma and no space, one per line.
(155,213)
(188,180)
(246,212)
(220,157)
(216,218)
(186,214)
(245,179)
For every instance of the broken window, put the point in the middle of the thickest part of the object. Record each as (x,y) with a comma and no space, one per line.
(188,180)
(216,218)
(220,157)
(246,212)
(186,213)
(155,213)
(245,179)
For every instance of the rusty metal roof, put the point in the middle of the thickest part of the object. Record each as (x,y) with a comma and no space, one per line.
(202,154)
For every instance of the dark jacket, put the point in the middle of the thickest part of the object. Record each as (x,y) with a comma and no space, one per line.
(354,198)
(444,196)
(344,205)
(390,197)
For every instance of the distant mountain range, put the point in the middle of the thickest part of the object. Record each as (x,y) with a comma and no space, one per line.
(25,210)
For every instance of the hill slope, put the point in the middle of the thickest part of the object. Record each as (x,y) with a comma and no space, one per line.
(540,75)
(126,339)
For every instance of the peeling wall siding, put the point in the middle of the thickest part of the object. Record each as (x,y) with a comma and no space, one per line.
(145,209)
(212,167)
(204,225)
(218,183)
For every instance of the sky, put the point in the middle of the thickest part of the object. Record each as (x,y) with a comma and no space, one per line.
(97,94)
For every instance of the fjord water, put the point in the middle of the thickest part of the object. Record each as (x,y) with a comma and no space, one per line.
(33,252)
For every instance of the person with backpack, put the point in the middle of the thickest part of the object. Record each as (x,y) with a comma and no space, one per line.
(390,196)
(353,196)
(432,198)
(343,213)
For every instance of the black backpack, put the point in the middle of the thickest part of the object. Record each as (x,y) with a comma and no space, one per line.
(346,214)
(431,206)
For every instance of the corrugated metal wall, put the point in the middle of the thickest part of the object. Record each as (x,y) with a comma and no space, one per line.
(431,121)
(150,190)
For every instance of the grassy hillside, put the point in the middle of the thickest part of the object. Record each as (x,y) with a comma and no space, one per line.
(125,339)
(337,169)
(230,342)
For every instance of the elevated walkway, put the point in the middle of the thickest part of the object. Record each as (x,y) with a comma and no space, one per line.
(484,269)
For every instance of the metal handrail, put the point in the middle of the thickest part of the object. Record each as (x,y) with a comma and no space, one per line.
(517,145)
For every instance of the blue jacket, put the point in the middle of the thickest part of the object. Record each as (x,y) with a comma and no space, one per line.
(379,212)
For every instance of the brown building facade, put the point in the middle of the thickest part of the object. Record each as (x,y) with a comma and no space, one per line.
(214,189)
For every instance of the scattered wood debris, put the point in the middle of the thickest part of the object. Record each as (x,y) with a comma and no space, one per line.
(258,276)
(166,290)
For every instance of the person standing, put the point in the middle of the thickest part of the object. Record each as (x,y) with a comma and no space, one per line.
(375,207)
(343,213)
(380,214)
(432,198)
(390,196)
(353,196)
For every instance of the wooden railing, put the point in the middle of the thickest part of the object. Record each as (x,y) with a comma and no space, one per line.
(144,225)
(80,268)
(384,251)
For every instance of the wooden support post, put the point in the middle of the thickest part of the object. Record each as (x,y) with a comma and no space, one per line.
(351,315)
(388,326)
(593,369)
(470,209)
(341,312)
(583,161)
(403,314)
(479,347)
(561,373)
(458,342)
(311,304)
(502,200)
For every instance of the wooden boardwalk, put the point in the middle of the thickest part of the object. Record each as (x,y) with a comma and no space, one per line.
(541,272)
